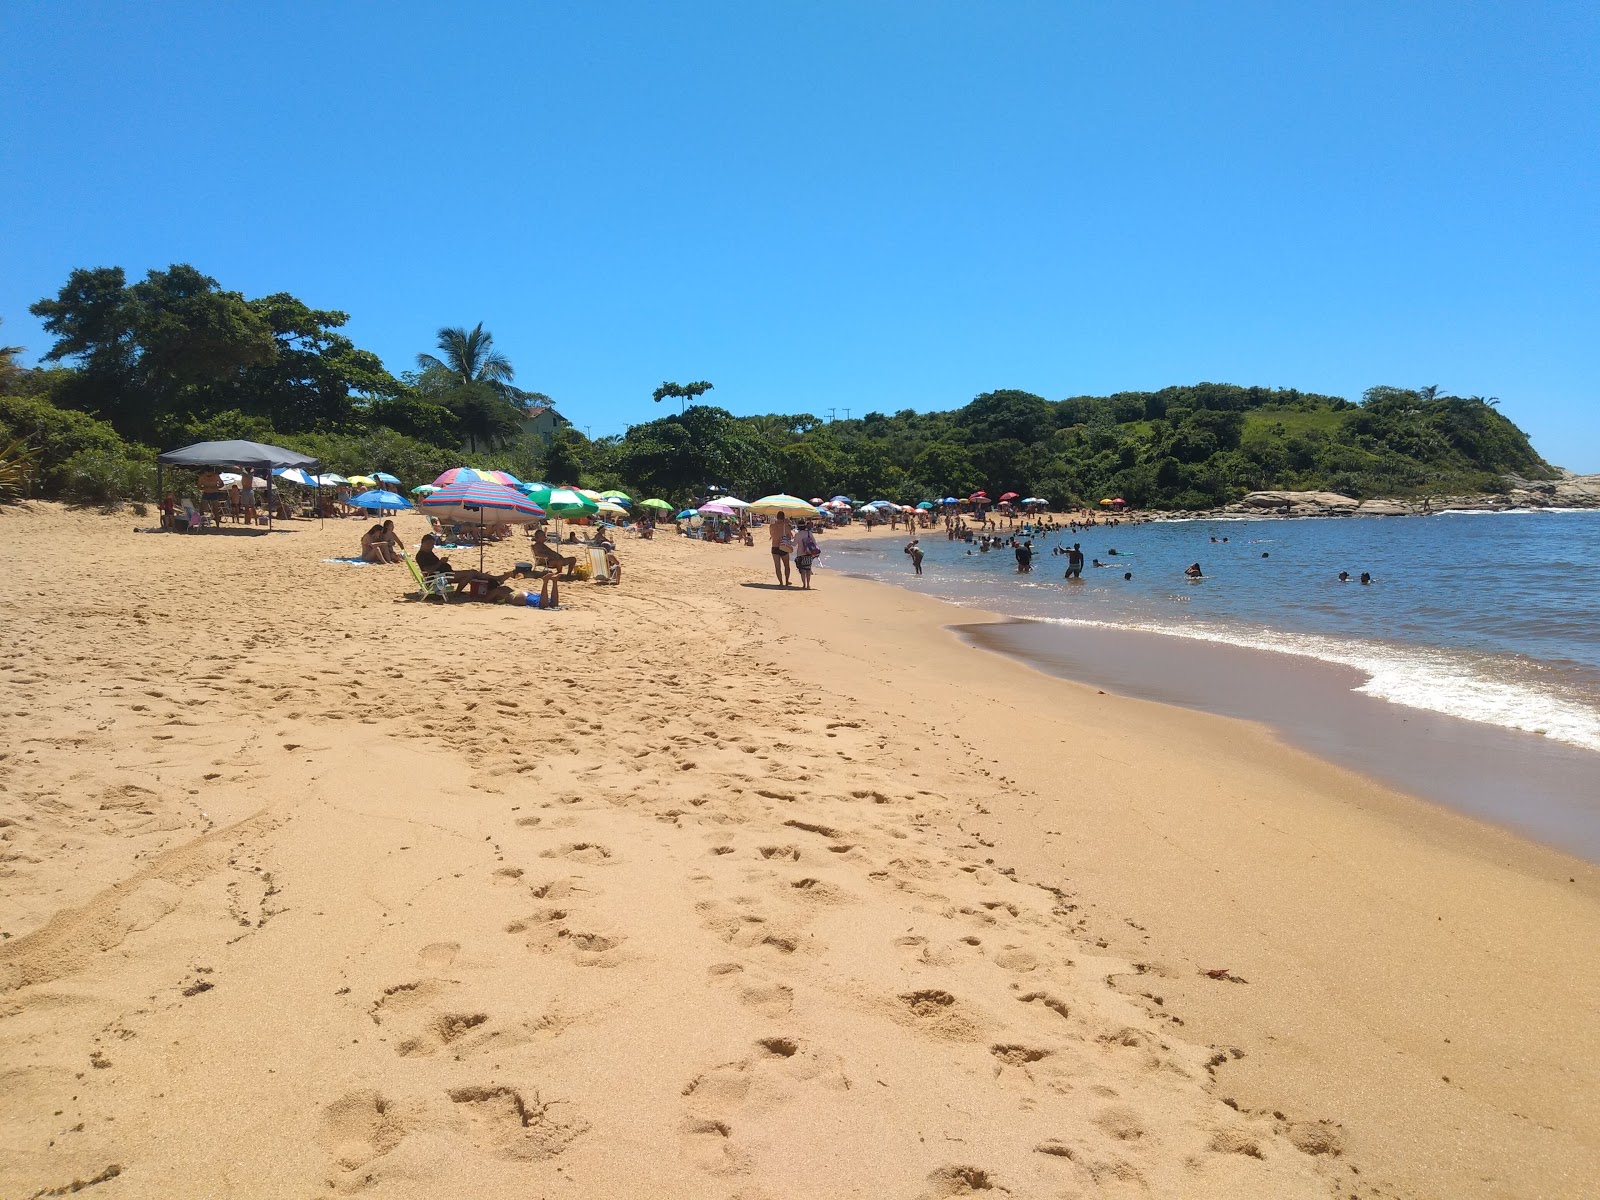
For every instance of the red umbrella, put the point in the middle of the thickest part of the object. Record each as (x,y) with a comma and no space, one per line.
(984,496)
(1009,496)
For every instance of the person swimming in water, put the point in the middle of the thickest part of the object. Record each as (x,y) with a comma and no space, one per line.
(1344,576)
(1366,577)
(1193,571)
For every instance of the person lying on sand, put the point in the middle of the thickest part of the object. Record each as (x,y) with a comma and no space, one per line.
(546,553)
(490,591)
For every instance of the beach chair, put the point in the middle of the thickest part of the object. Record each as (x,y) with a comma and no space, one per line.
(428,586)
(598,571)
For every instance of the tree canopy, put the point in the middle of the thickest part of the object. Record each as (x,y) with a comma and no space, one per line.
(176,357)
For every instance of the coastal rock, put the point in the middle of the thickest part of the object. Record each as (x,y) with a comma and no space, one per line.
(1303,502)
(1570,491)
(1384,508)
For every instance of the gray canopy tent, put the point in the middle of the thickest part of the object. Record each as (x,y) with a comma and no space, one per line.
(247,455)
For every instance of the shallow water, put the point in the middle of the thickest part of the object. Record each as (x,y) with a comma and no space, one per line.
(1490,618)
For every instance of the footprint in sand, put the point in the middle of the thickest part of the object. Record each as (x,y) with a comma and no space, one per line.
(358,1129)
(936,1013)
(505,1123)
(584,852)
(436,956)
(958,1181)
(780,1070)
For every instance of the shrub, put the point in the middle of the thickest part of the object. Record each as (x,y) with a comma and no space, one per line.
(54,435)
(107,478)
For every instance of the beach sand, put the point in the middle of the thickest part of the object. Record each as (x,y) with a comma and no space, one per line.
(697,888)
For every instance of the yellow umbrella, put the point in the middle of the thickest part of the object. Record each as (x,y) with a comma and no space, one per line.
(595,496)
(789,506)
(612,509)
(366,479)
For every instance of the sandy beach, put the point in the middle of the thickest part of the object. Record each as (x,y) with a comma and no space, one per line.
(702,888)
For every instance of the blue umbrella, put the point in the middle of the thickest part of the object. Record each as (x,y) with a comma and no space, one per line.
(377,499)
(385,477)
(686,514)
(295,475)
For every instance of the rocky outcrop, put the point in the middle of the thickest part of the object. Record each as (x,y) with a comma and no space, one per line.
(1302,503)
(1570,491)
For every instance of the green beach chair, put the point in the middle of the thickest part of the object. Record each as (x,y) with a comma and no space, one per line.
(428,586)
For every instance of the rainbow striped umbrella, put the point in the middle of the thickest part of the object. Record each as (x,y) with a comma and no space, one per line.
(487,503)
(466,475)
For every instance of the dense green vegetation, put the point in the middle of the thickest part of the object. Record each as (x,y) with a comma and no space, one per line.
(175,359)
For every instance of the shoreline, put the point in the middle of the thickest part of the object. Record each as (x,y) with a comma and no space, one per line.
(709,839)
(1465,766)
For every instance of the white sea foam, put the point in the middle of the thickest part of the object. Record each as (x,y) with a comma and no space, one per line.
(1416,677)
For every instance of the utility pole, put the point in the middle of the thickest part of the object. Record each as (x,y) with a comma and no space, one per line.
(831,411)
(847,414)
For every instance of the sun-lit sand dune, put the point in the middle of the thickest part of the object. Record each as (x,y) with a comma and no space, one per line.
(700,889)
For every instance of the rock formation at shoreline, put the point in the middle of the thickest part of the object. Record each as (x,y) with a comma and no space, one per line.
(1570,491)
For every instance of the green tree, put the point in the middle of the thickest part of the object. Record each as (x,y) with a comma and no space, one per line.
(469,357)
(682,392)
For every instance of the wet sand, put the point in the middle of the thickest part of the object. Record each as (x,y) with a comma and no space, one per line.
(1540,788)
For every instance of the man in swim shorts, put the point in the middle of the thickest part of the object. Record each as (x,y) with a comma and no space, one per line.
(1074,562)
(782,541)
(212,493)
(548,554)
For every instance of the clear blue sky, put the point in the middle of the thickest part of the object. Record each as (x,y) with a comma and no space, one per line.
(868,205)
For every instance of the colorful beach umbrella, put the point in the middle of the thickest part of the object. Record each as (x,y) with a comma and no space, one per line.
(424,489)
(589,494)
(463,475)
(925,504)
(378,498)
(716,508)
(385,477)
(1008,496)
(657,504)
(789,506)
(619,497)
(331,480)
(294,475)
(484,502)
(686,514)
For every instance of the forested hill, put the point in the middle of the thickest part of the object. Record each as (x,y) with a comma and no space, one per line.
(177,358)
(1179,448)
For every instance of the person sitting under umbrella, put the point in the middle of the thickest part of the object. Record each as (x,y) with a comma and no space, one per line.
(430,563)
(546,553)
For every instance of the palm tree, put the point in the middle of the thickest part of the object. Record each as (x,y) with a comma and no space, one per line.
(470,357)
(8,363)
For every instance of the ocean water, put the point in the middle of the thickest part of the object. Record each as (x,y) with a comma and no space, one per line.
(1487,617)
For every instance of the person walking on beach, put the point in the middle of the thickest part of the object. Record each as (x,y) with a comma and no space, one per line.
(1074,562)
(914,550)
(782,541)
(807,551)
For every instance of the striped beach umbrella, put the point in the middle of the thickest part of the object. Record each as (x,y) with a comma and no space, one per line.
(486,503)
